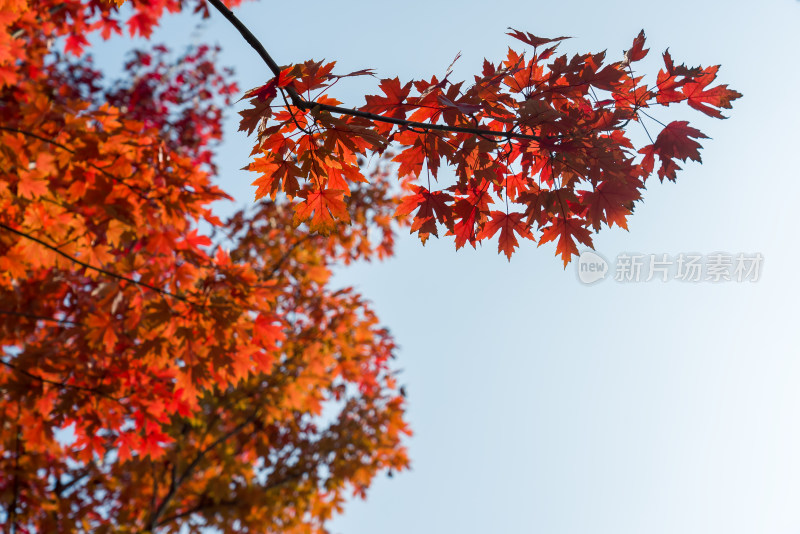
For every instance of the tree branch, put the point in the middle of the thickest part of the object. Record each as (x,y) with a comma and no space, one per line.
(60,488)
(63,385)
(105,173)
(175,484)
(251,39)
(286,255)
(38,317)
(206,505)
(301,103)
(97,269)
(199,507)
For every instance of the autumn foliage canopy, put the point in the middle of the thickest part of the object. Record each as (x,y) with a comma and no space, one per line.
(164,368)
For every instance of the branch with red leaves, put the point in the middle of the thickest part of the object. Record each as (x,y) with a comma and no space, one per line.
(542,137)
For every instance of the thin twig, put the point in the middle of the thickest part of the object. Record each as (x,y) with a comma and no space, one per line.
(94,391)
(12,509)
(286,255)
(38,317)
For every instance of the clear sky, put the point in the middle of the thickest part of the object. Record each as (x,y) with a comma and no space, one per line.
(543,405)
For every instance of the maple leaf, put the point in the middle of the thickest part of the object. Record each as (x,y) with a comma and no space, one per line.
(268,91)
(362,72)
(103,331)
(464,229)
(567,230)
(114,232)
(75,44)
(252,117)
(637,51)
(31,187)
(466,109)
(194,240)
(141,23)
(667,84)
(674,141)
(507,224)
(267,333)
(667,81)
(126,443)
(392,105)
(287,75)
(529,38)
(411,160)
(434,206)
(702,99)
(327,206)
(277,174)
(469,212)
(515,184)
(610,202)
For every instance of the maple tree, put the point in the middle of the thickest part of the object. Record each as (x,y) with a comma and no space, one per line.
(155,376)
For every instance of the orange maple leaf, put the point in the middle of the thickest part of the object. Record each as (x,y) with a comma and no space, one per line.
(31,187)
(327,207)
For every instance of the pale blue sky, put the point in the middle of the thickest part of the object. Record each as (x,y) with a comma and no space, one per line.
(541,405)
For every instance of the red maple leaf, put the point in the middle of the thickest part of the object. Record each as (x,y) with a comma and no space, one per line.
(433,207)
(610,202)
(567,231)
(507,224)
(268,91)
(674,142)
(702,99)
(75,44)
(529,38)
(637,51)
(391,105)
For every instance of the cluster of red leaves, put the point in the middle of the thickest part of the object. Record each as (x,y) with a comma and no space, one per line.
(153,377)
(538,143)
